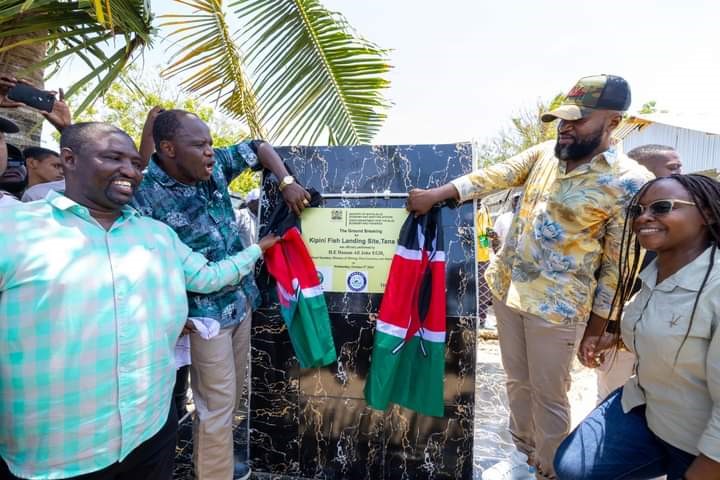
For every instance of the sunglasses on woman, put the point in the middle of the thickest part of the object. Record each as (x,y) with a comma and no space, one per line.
(658,207)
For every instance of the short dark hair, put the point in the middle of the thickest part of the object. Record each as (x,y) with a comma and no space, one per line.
(166,126)
(649,151)
(39,153)
(77,135)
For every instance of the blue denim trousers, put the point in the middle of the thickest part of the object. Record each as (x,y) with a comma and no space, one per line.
(612,445)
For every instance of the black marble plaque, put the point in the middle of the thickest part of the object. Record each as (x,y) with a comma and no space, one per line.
(314,423)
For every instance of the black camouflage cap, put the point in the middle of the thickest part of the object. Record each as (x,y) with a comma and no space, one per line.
(598,92)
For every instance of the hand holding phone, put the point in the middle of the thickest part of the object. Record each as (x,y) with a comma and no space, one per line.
(32,97)
(6,83)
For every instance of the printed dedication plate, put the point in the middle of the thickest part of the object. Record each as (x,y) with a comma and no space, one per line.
(352,247)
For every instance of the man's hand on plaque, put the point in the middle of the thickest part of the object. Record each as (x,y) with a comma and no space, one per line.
(296,197)
(420,201)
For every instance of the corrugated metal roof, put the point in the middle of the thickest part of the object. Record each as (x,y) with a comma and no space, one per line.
(701,122)
(698,149)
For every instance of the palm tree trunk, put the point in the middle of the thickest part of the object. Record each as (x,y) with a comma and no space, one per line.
(16,62)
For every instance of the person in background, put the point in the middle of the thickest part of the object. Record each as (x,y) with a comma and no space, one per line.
(186,187)
(43,166)
(247,217)
(662,160)
(486,238)
(88,368)
(617,365)
(6,126)
(14,178)
(553,281)
(59,117)
(504,220)
(666,419)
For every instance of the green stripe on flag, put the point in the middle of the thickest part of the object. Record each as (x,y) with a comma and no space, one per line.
(407,378)
(310,332)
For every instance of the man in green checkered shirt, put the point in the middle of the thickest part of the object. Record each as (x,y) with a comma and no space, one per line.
(92,300)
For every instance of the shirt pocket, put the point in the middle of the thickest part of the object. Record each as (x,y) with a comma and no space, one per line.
(682,343)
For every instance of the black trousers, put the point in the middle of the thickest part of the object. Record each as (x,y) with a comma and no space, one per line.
(180,390)
(154,459)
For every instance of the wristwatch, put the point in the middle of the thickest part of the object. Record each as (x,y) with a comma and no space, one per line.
(286,180)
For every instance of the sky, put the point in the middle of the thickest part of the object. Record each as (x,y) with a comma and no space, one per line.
(462,68)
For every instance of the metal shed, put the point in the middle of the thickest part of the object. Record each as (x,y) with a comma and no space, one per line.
(697,139)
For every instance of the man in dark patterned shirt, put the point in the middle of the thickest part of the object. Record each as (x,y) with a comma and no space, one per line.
(186,187)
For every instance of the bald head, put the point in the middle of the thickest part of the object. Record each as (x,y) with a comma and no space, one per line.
(102,166)
(661,160)
(168,124)
(78,136)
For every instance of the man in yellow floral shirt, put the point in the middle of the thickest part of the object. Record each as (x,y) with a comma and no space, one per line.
(555,276)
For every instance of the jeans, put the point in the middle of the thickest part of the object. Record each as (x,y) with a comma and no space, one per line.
(612,445)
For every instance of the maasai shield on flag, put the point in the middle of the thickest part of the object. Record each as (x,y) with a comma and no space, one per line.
(302,302)
(408,359)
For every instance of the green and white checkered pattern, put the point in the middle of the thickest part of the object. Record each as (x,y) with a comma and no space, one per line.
(88,323)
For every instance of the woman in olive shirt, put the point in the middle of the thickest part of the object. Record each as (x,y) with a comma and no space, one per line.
(666,419)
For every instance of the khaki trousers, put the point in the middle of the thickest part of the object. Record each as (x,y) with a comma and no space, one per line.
(614,373)
(217,375)
(537,357)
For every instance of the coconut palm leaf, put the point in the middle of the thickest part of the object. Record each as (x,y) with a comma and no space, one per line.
(87,29)
(207,57)
(313,73)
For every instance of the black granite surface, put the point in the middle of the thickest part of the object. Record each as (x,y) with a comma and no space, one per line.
(314,423)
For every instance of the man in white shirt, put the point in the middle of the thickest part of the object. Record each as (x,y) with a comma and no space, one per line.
(503,221)
(247,217)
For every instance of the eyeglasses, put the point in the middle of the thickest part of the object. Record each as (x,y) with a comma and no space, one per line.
(658,207)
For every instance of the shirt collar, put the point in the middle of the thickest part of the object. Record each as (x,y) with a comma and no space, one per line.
(610,155)
(61,202)
(689,277)
(599,162)
(602,161)
(155,171)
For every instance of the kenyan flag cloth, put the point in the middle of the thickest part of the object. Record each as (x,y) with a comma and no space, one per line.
(302,303)
(408,359)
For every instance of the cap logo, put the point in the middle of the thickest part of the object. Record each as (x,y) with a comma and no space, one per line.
(577,91)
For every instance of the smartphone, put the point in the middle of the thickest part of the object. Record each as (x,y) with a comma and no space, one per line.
(32,97)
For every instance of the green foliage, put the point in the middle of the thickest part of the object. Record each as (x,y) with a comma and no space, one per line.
(206,55)
(245,182)
(651,107)
(316,77)
(648,107)
(83,29)
(525,130)
(128,101)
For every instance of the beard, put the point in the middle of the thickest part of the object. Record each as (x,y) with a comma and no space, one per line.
(579,149)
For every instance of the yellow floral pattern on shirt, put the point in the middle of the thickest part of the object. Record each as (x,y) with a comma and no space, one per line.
(560,257)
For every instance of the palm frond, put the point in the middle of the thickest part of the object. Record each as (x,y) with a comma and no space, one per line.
(85,29)
(313,73)
(209,62)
